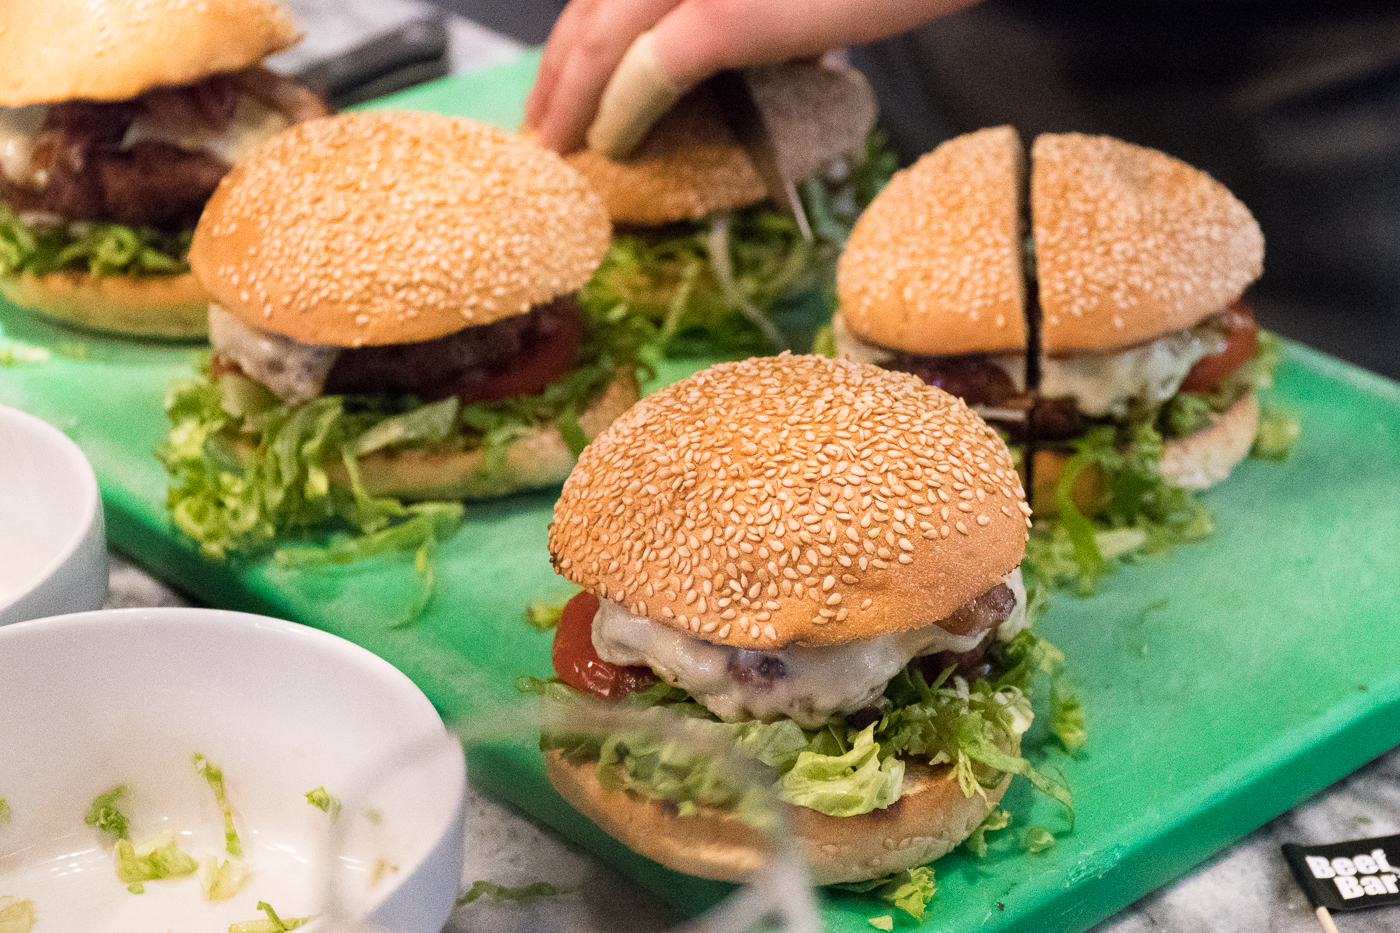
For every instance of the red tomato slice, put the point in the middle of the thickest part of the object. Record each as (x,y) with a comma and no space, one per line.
(577,663)
(544,363)
(1241,343)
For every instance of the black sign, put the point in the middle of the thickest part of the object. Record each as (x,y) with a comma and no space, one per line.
(1348,875)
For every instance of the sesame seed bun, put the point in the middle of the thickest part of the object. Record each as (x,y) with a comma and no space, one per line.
(690,165)
(927,821)
(172,307)
(1131,243)
(933,265)
(367,229)
(792,500)
(1207,457)
(105,50)
(1196,462)
(534,460)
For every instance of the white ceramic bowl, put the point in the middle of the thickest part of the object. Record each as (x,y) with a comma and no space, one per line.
(95,700)
(53,553)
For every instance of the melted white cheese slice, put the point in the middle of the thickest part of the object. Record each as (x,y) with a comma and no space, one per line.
(818,682)
(1105,383)
(18,127)
(294,370)
(253,122)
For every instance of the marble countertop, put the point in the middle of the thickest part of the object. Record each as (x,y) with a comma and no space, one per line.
(1245,889)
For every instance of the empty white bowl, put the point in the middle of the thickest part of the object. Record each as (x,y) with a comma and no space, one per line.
(96,700)
(53,553)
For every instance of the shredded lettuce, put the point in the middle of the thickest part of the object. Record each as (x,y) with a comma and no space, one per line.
(271,924)
(712,286)
(249,471)
(104,816)
(542,615)
(854,782)
(1141,513)
(1039,839)
(883,922)
(838,769)
(152,861)
(17,915)
(995,821)
(1066,716)
(325,802)
(40,248)
(499,893)
(222,880)
(215,778)
(911,891)
(1277,433)
(5,814)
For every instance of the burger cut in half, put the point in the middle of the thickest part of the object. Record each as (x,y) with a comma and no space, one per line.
(1099,317)
(699,248)
(819,560)
(393,321)
(117,120)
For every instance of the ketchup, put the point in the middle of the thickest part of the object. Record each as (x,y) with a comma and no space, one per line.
(1241,343)
(577,663)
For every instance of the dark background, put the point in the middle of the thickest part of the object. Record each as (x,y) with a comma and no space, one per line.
(1295,106)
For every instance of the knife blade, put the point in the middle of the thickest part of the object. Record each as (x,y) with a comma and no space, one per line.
(731,90)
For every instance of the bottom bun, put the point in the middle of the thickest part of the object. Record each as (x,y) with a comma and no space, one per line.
(927,821)
(173,307)
(1196,462)
(537,458)
(1208,456)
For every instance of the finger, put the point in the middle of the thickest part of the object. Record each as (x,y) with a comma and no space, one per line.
(562,37)
(697,39)
(592,53)
(636,96)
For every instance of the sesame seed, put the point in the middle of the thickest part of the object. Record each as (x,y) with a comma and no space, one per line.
(752,529)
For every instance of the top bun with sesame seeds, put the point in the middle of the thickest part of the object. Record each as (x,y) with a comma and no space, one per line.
(1131,243)
(690,165)
(108,50)
(381,228)
(792,500)
(933,265)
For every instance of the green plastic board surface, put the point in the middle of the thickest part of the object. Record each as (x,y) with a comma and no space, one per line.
(1223,682)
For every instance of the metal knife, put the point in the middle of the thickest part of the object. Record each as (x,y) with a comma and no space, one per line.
(731,90)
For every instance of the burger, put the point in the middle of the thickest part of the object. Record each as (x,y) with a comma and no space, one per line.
(1097,321)
(117,120)
(700,249)
(393,321)
(816,560)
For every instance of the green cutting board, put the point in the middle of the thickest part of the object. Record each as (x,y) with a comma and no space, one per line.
(1223,682)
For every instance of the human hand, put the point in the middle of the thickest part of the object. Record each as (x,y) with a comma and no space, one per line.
(689,40)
